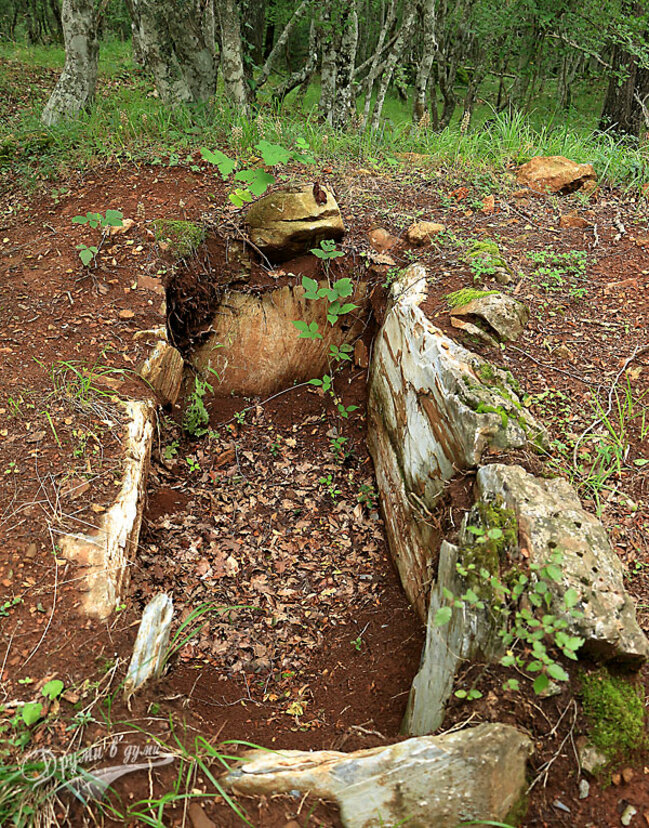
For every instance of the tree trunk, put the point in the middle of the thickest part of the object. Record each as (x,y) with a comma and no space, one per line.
(75,89)
(232,55)
(344,99)
(409,11)
(327,66)
(625,101)
(377,61)
(426,62)
(195,55)
(154,26)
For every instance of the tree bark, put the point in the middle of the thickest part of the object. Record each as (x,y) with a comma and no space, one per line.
(232,55)
(409,11)
(628,90)
(75,88)
(426,62)
(344,99)
(270,61)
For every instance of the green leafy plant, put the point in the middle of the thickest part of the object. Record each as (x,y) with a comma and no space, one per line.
(518,602)
(335,294)
(196,418)
(113,218)
(557,272)
(330,485)
(87,254)
(367,496)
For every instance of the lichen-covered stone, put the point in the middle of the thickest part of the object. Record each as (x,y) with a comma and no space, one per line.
(499,316)
(440,781)
(555,174)
(290,222)
(434,408)
(424,232)
(150,648)
(550,519)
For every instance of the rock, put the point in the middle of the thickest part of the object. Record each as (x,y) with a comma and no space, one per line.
(550,518)
(473,774)
(107,552)
(584,788)
(361,356)
(150,649)
(591,758)
(255,348)
(486,260)
(555,174)
(290,222)
(198,817)
(573,219)
(502,317)
(616,779)
(473,330)
(423,232)
(627,775)
(470,634)
(434,408)
(381,240)
(627,814)
(163,371)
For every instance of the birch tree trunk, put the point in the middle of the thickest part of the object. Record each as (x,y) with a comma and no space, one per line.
(327,65)
(377,61)
(426,62)
(344,98)
(75,88)
(409,11)
(195,54)
(153,20)
(232,55)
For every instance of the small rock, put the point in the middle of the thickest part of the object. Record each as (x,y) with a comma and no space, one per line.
(627,814)
(627,775)
(292,824)
(501,314)
(584,788)
(423,232)
(198,817)
(573,219)
(32,549)
(361,356)
(488,205)
(381,240)
(646,817)
(560,806)
(590,758)
(125,313)
(616,778)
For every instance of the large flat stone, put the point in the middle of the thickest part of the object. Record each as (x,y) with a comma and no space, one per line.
(440,781)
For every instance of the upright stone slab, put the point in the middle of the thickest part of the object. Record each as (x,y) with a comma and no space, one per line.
(433,410)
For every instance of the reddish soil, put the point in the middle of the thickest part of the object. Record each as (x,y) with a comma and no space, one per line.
(322,648)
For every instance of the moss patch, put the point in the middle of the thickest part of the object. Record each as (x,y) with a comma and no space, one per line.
(183,237)
(465,295)
(491,537)
(614,709)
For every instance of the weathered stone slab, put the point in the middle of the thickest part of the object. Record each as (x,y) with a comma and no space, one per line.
(255,348)
(107,552)
(550,518)
(440,781)
(434,408)
(290,222)
(151,643)
(502,317)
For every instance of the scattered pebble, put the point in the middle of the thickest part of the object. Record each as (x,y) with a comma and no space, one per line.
(584,788)
(627,775)
(616,778)
(560,806)
(627,815)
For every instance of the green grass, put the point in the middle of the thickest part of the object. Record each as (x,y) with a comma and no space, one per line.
(127,124)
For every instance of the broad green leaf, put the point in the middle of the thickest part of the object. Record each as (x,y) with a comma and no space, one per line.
(442,616)
(553,572)
(31,712)
(86,256)
(541,683)
(557,672)
(310,288)
(113,218)
(273,153)
(571,597)
(344,287)
(52,689)
(225,165)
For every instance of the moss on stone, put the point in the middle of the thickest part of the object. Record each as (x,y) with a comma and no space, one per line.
(490,538)
(518,811)
(183,237)
(461,297)
(614,709)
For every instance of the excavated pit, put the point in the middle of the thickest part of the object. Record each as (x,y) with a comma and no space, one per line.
(273,514)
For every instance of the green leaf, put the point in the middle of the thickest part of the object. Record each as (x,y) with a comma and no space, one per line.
(31,712)
(52,689)
(442,616)
(273,153)
(461,694)
(113,218)
(534,666)
(511,684)
(553,572)
(571,597)
(310,288)
(641,461)
(257,179)
(347,308)
(225,165)
(86,255)
(307,331)
(541,683)
(557,672)
(495,533)
(344,287)
(80,220)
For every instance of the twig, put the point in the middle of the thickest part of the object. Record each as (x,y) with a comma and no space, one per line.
(551,367)
(545,767)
